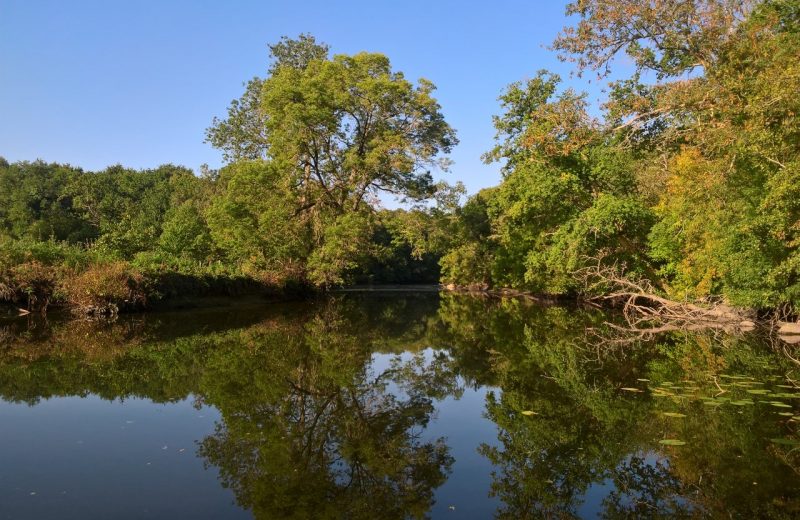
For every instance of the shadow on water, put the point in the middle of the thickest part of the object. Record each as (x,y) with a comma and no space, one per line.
(338,407)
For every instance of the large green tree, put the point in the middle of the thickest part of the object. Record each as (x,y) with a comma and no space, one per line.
(568,197)
(242,134)
(334,134)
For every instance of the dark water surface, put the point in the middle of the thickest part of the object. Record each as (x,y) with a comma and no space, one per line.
(391,405)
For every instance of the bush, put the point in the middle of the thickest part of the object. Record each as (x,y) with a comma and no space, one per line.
(31,282)
(105,288)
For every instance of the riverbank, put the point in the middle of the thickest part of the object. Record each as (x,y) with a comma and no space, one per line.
(85,282)
(647,313)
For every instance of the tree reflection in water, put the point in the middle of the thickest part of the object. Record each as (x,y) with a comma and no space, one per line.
(322,434)
(325,405)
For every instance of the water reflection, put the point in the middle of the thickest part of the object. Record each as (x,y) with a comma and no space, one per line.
(325,407)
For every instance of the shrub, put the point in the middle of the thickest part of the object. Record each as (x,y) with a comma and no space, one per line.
(105,288)
(32,282)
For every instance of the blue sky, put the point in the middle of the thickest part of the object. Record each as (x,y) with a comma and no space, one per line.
(94,83)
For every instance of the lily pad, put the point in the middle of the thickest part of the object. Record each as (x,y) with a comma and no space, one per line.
(674,414)
(780,405)
(528,412)
(671,442)
(786,442)
(629,389)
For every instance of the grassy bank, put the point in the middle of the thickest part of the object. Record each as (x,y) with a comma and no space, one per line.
(36,276)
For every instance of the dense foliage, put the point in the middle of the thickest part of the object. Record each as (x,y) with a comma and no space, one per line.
(311,148)
(689,179)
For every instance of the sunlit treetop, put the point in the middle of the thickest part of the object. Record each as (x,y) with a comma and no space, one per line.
(668,37)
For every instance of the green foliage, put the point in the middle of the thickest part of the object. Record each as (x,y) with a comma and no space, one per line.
(468,260)
(334,134)
(127,207)
(612,228)
(568,198)
(688,182)
(311,148)
(350,127)
(253,221)
(35,202)
(185,233)
(728,217)
(242,135)
(344,243)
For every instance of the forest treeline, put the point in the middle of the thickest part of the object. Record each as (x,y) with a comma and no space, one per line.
(120,238)
(688,176)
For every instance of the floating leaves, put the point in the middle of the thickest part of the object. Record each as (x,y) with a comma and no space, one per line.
(786,442)
(672,442)
(660,392)
(528,412)
(722,389)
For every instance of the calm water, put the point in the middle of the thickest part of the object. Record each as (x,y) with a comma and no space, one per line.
(393,405)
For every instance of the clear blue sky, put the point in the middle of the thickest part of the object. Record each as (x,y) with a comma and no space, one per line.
(94,83)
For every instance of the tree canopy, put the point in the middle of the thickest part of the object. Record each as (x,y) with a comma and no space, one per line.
(685,180)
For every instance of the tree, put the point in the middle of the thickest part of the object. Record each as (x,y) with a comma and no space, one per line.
(688,180)
(185,233)
(668,37)
(568,195)
(127,207)
(252,219)
(335,134)
(726,224)
(242,134)
(350,127)
(469,258)
(35,202)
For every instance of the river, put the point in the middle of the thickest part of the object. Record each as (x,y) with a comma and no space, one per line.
(391,405)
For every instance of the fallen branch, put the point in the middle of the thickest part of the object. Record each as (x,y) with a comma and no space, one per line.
(647,312)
